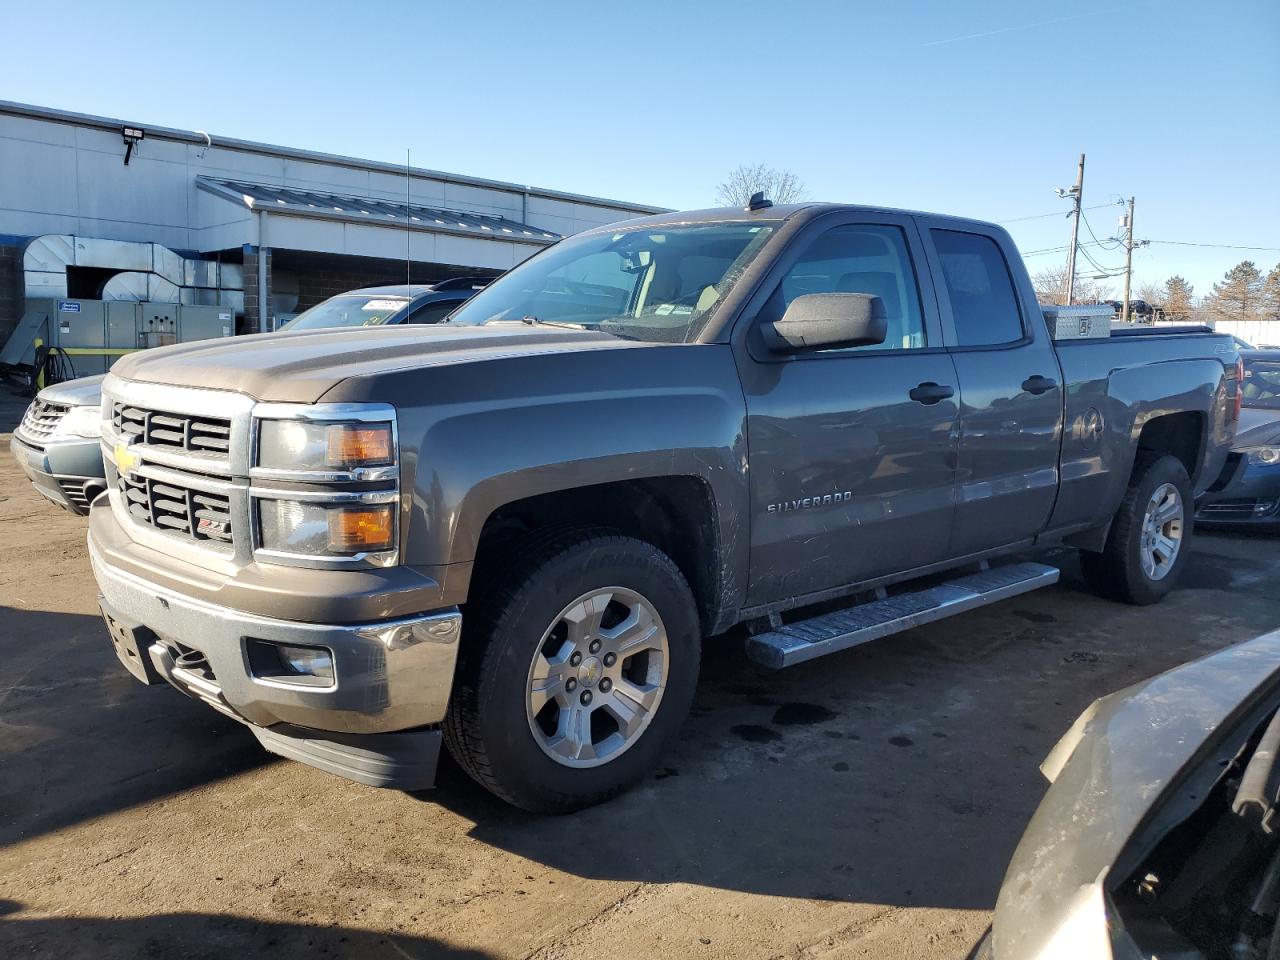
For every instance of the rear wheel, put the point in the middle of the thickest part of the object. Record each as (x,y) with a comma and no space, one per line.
(576,668)
(1149,540)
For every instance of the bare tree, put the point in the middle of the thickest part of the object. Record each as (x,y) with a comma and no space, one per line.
(1152,293)
(1051,287)
(780,186)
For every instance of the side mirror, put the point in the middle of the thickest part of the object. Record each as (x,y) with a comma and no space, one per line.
(826,321)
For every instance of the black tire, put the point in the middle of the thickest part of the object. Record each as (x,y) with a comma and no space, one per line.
(487,729)
(1117,572)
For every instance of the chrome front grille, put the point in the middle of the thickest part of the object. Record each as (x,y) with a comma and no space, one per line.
(203,436)
(169,506)
(40,420)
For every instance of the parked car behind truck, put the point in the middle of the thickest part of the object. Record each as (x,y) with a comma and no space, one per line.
(1248,492)
(58,444)
(511,532)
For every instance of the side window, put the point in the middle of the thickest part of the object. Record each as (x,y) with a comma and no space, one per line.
(867,258)
(434,312)
(983,301)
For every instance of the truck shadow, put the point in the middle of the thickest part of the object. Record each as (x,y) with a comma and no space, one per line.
(80,738)
(902,772)
(184,935)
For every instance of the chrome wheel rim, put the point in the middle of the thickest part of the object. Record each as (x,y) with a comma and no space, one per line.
(597,677)
(1162,529)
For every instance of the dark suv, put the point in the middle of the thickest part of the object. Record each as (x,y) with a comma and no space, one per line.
(395,303)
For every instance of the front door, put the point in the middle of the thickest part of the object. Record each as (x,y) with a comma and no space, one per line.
(1010,382)
(852,450)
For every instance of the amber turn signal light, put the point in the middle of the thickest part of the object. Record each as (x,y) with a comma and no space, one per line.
(361,529)
(359,445)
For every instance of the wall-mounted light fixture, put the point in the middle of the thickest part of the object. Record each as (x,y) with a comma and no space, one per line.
(131,136)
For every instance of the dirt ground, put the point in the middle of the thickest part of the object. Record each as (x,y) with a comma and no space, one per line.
(863,805)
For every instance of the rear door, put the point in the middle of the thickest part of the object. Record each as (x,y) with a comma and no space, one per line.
(851,449)
(1010,385)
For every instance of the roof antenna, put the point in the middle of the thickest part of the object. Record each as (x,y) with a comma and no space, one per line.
(759,201)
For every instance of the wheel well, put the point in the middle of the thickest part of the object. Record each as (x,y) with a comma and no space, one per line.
(1178,434)
(675,514)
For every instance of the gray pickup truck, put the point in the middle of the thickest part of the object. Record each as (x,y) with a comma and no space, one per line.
(510,533)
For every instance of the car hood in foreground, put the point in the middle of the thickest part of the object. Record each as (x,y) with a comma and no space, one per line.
(1110,769)
(301,366)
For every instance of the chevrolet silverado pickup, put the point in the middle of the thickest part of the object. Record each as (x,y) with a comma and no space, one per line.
(510,533)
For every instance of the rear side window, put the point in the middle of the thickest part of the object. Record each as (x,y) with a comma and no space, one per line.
(433,312)
(980,289)
(1261,384)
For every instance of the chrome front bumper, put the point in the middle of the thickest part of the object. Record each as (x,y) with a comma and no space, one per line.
(388,676)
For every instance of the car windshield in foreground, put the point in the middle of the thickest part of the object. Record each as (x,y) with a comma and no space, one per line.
(659,284)
(1262,384)
(349,310)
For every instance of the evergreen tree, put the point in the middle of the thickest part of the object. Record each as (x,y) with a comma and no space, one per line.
(1178,295)
(1238,295)
(1271,295)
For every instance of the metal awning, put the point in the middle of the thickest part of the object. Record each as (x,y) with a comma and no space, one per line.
(295,201)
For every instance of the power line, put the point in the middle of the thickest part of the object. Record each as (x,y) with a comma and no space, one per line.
(1059,249)
(1218,246)
(1056,213)
(1180,243)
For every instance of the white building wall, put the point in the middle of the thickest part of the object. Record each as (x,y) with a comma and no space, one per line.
(62,173)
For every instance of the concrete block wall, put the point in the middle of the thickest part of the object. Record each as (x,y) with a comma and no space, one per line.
(253,319)
(11,286)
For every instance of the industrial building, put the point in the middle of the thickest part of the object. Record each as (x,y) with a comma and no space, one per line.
(96,209)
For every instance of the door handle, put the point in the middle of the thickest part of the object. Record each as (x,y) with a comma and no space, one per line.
(1039,384)
(930,393)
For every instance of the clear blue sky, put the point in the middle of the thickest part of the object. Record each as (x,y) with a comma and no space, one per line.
(974,108)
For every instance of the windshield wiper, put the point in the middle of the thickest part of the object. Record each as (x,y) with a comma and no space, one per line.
(533,321)
(1257,794)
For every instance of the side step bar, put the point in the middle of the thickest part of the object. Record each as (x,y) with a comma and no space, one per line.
(806,639)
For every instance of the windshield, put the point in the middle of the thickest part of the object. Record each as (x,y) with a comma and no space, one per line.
(349,310)
(1262,384)
(657,284)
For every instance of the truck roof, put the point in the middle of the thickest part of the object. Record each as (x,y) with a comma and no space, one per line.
(782,211)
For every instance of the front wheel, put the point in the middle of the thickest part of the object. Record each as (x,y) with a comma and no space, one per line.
(575,671)
(1149,540)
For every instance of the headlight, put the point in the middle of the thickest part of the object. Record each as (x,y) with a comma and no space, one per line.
(80,422)
(325,529)
(302,445)
(325,484)
(1266,456)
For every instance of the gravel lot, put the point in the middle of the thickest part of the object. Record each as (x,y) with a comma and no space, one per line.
(864,805)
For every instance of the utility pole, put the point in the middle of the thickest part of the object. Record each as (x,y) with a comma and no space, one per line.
(1128,262)
(1075,193)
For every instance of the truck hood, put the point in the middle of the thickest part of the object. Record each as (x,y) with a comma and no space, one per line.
(302,366)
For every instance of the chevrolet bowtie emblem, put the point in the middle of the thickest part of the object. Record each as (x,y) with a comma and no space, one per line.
(126,460)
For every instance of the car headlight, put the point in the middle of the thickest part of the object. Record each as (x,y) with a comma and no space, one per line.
(298,445)
(1266,456)
(80,422)
(326,529)
(325,484)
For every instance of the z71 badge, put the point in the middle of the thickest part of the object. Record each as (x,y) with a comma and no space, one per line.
(808,503)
